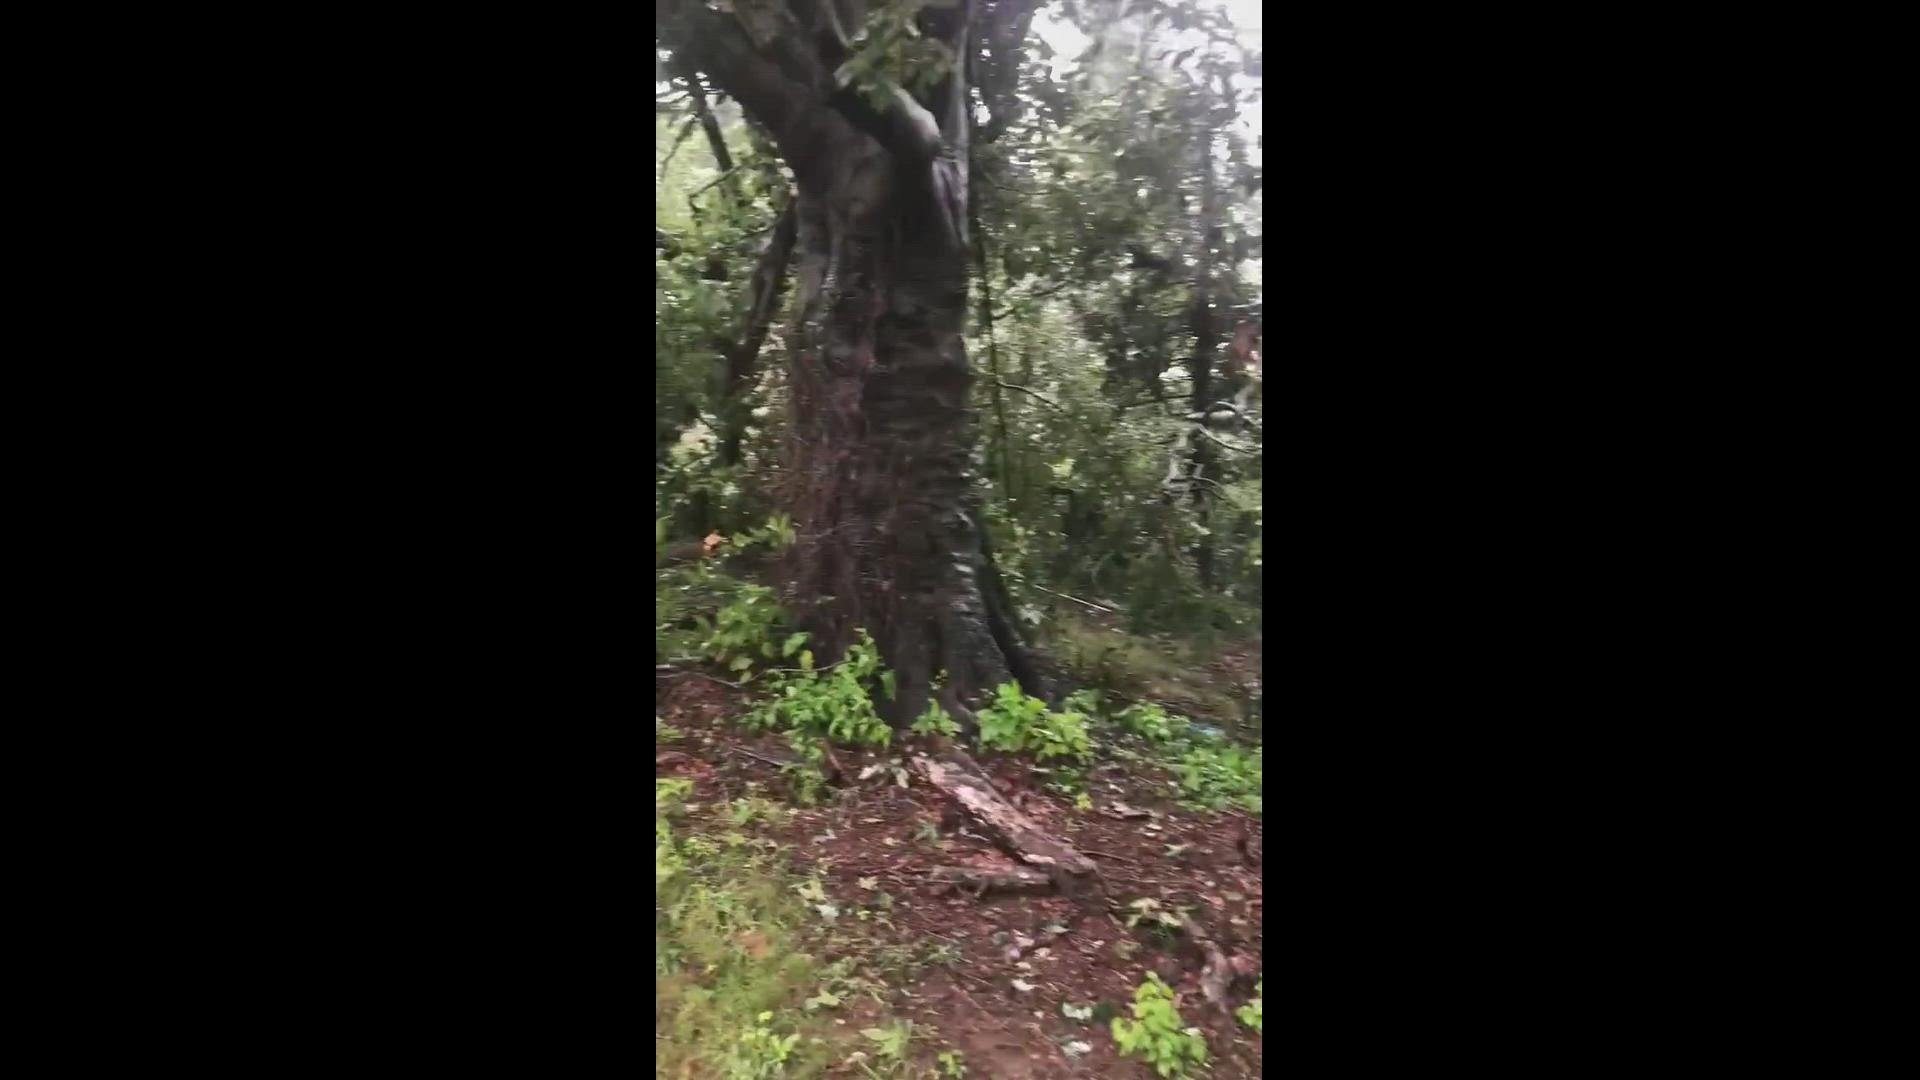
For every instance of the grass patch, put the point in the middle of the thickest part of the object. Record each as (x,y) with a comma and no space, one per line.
(732,972)
(1142,669)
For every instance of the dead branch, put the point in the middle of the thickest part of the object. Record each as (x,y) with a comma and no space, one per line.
(775,762)
(1037,395)
(1217,975)
(1205,434)
(956,776)
(1061,595)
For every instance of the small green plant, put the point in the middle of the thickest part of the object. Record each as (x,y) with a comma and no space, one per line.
(1156,1034)
(1147,720)
(835,703)
(1249,1013)
(761,1054)
(890,1042)
(1017,723)
(1213,776)
(953,1064)
(776,533)
(742,631)
(743,811)
(830,705)
(668,791)
(935,721)
(1085,702)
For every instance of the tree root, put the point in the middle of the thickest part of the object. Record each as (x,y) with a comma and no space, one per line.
(980,882)
(1217,975)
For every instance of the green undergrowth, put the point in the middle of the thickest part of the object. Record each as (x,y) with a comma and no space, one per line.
(730,973)
(832,705)
(1208,771)
(1156,1033)
(1143,669)
(754,962)
(737,625)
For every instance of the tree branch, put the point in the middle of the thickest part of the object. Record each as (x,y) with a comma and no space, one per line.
(781,87)
(1205,434)
(1003,384)
(1008,310)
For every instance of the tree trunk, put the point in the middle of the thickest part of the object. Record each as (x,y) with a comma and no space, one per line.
(882,498)
(889,532)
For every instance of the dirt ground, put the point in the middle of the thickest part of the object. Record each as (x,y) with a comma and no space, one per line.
(998,994)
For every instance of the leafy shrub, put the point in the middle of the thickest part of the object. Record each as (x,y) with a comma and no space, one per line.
(1017,723)
(834,704)
(730,963)
(1156,1034)
(743,630)
(1249,1013)
(1214,775)
(935,721)
(1149,721)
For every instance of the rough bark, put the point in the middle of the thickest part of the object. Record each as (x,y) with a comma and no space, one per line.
(881,494)
(956,776)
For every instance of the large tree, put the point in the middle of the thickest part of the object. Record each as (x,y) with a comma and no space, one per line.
(870,107)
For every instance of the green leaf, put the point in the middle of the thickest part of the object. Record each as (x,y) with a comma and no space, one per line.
(741,663)
(806,659)
(794,641)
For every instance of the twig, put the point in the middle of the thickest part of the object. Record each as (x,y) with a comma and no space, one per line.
(1003,384)
(700,675)
(1109,855)
(743,751)
(1244,418)
(686,129)
(1063,286)
(1207,435)
(703,188)
(1061,595)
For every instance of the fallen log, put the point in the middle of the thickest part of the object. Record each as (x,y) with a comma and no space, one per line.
(955,775)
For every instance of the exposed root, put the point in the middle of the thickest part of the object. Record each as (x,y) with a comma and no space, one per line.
(1217,975)
(980,882)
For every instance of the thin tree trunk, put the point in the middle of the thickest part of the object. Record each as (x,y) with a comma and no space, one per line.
(764,291)
(1206,339)
(1000,446)
(715,141)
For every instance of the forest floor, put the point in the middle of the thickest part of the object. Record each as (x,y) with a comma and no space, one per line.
(822,937)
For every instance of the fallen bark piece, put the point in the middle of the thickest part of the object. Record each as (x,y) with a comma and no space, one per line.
(1015,879)
(1218,973)
(957,777)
